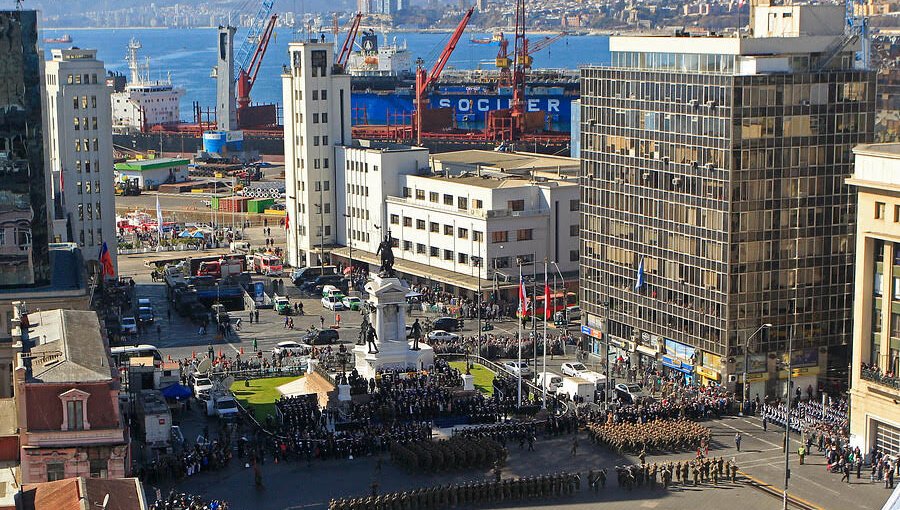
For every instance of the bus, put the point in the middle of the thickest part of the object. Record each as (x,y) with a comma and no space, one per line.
(120,355)
(559,301)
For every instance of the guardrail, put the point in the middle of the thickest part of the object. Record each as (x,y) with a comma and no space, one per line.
(263,373)
(319,369)
(493,366)
(878,378)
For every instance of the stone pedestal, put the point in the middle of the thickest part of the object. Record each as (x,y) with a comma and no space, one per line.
(311,365)
(343,392)
(468,382)
(387,313)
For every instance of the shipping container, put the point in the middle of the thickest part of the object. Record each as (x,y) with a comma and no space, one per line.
(259,205)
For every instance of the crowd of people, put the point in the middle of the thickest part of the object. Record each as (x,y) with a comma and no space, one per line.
(458,452)
(494,347)
(478,493)
(182,501)
(203,456)
(688,472)
(657,435)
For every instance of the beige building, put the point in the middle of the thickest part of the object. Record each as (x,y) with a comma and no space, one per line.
(875,384)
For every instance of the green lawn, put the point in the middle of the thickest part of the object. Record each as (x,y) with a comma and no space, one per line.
(484,378)
(260,394)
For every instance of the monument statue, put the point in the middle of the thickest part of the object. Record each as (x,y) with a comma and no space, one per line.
(385,249)
(416,334)
(371,336)
(364,326)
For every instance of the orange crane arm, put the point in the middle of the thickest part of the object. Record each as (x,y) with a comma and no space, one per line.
(256,62)
(445,55)
(347,47)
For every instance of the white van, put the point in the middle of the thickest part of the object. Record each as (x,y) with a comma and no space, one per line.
(550,381)
(332,291)
(577,387)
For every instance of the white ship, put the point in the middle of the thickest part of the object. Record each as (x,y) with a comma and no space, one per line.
(372,60)
(144,102)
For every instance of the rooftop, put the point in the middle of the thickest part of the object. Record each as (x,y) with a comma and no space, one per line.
(485,182)
(73,53)
(151,164)
(68,347)
(506,161)
(375,145)
(9,422)
(67,274)
(884,150)
(84,494)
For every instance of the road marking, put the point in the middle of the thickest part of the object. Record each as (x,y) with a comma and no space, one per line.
(649,504)
(817,484)
(751,435)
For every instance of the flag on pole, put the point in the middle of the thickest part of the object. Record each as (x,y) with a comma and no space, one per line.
(287,221)
(107,269)
(159,217)
(548,310)
(523,298)
(639,281)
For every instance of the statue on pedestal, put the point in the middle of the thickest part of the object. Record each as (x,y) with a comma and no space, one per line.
(370,339)
(385,249)
(416,334)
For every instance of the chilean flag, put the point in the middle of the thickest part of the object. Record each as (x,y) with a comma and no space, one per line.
(548,308)
(106,262)
(523,298)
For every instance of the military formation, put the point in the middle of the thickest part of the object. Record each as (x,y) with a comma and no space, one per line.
(456,453)
(467,494)
(657,435)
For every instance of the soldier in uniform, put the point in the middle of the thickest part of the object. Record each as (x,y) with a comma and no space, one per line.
(734,470)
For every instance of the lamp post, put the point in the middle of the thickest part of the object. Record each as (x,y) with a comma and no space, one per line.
(476,262)
(350,243)
(746,392)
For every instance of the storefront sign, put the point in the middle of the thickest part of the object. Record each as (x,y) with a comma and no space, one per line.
(708,373)
(591,332)
(804,358)
(711,360)
(677,364)
(758,363)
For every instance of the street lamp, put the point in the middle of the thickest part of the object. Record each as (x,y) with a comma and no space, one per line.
(746,391)
(350,243)
(476,263)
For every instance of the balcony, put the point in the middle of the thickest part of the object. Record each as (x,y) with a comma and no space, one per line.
(875,375)
(509,213)
(431,206)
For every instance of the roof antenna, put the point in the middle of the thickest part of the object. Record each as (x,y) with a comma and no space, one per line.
(19,4)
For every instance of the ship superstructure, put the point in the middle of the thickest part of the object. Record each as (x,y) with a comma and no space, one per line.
(144,102)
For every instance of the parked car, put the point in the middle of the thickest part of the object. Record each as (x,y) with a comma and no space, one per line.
(332,303)
(447,324)
(283,306)
(442,336)
(518,368)
(573,368)
(129,326)
(352,303)
(202,385)
(292,347)
(317,285)
(321,337)
(631,393)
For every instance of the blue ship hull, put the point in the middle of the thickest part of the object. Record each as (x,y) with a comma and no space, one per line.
(469,108)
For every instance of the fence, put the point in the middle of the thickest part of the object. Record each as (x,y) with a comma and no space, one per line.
(263,373)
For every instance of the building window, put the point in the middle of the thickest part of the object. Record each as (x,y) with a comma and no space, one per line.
(477,204)
(573,204)
(463,233)
(573,230)
(407,192)
(99,468)
(879,210)
(395,219)
(75,415)
(315,95)
(324,95)
(516,205)
(75,102)
(420,194)
(78,187)
(500,262)
(407,245)
(448,230)
(324,162)
(500,236)
(573,256)
(434,251)
(448,254)
(94,101)
(433,197)
(462,203)
(420,224)
(448,199)
(315,118)
(462,258)
(56,471)
(324,118)
(420,248)
(434,227)
(76,124)
(477,236)
(407,222)
(524,234)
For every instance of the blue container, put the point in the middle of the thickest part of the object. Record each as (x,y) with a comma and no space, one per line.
(214,141)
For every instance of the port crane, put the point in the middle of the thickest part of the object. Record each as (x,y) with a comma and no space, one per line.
(856,28)
(424,79)
(247,75)
(520,53)
(344,55)
(503,62)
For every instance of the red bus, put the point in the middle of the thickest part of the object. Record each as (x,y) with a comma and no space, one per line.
(558,302)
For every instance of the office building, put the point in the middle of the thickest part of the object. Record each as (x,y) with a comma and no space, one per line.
(24,189)
(714,201)
(316,120)
(79,139)
(875,386)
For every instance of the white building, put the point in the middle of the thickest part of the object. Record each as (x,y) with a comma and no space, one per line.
(80,145)
(367,172)
(144,102)
(316,122)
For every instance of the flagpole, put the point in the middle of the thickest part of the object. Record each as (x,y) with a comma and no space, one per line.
(522,311)
(546,309)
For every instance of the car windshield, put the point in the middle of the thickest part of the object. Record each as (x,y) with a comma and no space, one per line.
(633,388)
(579,367)
(203,382)
(226,404)
(127,321)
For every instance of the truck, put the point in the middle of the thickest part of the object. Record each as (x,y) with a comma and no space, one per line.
(269,265)
(155,419)
(222,405)
(220,268)
(194,263)
(597,378)
(283,305)
(578,389)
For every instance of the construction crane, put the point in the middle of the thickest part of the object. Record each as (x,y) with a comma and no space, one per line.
(251,43)
(534,47)
(344,55)
(503,62)
(247,76)
(425,80)
(856,28)
(520,53)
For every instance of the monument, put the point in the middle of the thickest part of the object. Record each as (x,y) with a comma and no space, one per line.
(382,341)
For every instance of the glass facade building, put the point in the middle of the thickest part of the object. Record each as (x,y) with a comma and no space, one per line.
(24,224)
(713,201)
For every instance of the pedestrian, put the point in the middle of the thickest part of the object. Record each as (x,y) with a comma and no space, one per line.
(575,446)
(846,475)
(322,321)
(765,424)
(255,345)
(802,453)
(737,441)
(256,315)
(169,315)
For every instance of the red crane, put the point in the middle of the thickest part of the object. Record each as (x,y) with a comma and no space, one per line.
(247,77)
(347,47)
(520,52)
(423,80)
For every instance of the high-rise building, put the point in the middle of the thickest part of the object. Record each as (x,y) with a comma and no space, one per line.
(24,222)
(875,385)
(714,201)
(316,121)
(79,138)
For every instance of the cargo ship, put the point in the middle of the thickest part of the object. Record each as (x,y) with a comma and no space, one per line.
(66,38)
